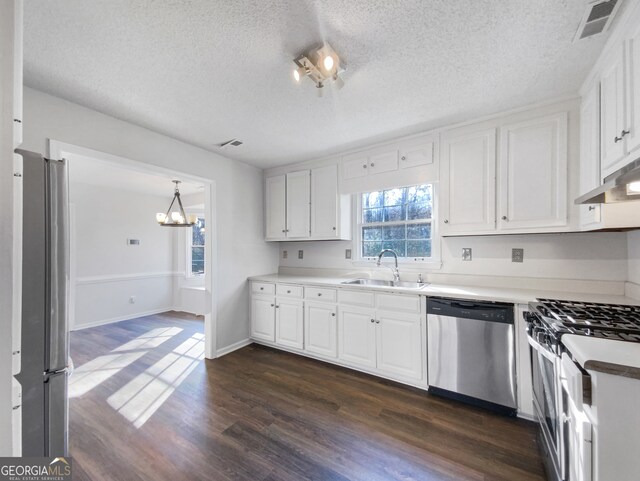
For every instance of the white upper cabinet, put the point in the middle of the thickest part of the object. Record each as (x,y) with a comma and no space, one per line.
(633,92)
(468,190)
(418,151)
(276,207)
(532,187)
(590,153)
(612,113)
(376,161)
(325,212)
(384,160)
(17,73)
(298,204)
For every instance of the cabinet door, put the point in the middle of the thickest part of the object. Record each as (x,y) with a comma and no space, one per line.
(383,160)
(399,344)
(324,202)
(590,153)
(418,151)
(355,165)
(298,200)
(263,318)
(275,207)
(289,323)
(17,73)
(320,329)
(468,195)
(633,92)
(357,336)
(533,174)
(612,115)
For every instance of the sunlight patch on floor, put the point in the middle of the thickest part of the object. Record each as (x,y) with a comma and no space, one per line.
(141,397)
(98,370)
(150,340)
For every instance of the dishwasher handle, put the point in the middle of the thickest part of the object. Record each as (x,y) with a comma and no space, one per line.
(465,309)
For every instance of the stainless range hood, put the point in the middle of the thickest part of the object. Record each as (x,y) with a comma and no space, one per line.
(621,186)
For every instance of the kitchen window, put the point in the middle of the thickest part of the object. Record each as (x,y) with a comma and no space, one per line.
(400,219)
(195,251)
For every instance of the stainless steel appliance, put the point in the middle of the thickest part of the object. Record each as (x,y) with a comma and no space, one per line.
(621,186)
(45,338)
(471,352)
(547,321)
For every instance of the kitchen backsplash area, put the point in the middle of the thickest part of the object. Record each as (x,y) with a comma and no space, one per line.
(602,261)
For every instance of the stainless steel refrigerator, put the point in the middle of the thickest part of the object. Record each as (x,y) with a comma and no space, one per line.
(45,278)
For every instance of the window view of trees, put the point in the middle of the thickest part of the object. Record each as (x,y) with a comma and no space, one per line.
(397,219)
(197,247)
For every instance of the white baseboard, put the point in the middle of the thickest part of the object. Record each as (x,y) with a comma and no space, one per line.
(122,318)
(233,347)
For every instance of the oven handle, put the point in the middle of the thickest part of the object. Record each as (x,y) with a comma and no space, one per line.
(542,350)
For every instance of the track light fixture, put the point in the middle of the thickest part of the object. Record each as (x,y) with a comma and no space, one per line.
(322,65)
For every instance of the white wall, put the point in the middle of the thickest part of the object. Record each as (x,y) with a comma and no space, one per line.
(239,240)
(633,242)
(578,256)
(107,270)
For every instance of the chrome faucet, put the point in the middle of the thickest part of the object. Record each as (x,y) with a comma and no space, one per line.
(396,273)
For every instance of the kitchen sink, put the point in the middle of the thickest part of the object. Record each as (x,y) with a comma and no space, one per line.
(379,282)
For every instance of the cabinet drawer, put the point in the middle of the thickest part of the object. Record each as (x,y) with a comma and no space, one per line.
(356,298)
(263,288)
(398,303)
(285,290)
(320,294)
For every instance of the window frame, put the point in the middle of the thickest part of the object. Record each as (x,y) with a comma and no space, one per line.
(189,249)
(432,262)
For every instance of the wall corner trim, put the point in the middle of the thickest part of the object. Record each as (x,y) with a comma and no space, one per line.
(233,347)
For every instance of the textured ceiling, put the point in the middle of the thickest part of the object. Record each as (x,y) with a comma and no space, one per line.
(207,71)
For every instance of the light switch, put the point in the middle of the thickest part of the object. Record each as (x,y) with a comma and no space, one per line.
(285,254)
(347,253)
(467,254)
(300,254)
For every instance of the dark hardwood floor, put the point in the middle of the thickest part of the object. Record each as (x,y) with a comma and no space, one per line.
(145,406)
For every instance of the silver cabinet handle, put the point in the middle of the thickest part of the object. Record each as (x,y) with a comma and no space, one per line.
(364,166)
(377,322)
(446,221)
(622,134)
(288,292)
(284,230)
(272,305)
(319,294)
(262,288)
(592,207)
(372,321)
(372,164)
(334,228)
(504,217)
(277,307)
(333,314)
(403,158)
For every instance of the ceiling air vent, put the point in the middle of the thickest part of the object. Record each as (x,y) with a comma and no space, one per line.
(232,143)
(596,18)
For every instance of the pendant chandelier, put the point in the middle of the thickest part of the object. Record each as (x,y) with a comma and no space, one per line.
(176,218)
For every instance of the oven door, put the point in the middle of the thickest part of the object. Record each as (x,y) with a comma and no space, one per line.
(545,367)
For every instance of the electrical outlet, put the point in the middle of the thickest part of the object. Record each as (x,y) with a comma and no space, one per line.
(132,300)
(300,254)
(467,254)
(285,254)
(347,253)
(133,242)
(517,255)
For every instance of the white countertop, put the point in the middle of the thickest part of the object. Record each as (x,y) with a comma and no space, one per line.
(605,355)
(500,294)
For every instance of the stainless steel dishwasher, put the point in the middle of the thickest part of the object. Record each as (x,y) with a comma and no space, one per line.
(471,352)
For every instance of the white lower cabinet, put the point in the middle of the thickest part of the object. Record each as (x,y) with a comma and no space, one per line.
(379,332)
(357,336)
(320,329)
(289,323)
(263,318)
(388,341)
(399,344)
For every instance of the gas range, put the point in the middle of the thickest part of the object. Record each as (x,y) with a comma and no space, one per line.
(549,319)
